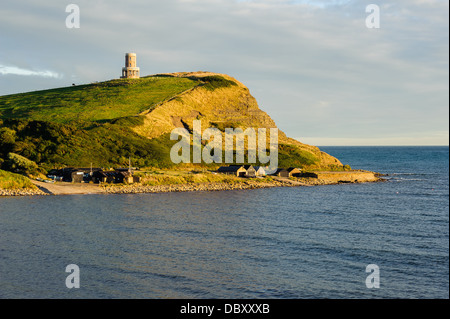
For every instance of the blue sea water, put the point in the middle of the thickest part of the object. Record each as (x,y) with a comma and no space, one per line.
(298,242)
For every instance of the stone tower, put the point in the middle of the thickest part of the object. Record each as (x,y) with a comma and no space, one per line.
(130,71)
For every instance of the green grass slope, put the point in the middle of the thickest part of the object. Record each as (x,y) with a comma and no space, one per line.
(93,102)
(14,181)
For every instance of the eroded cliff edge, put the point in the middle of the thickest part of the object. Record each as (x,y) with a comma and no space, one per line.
(228,104)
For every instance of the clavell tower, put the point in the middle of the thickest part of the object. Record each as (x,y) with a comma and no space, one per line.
(130,71)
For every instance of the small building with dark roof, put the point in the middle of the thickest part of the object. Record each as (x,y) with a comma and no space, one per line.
(251,171)
(100,177)
(260,171)
(294,172)
(119,177)
(236,170)
(281,172)
(124,177)
(77,176)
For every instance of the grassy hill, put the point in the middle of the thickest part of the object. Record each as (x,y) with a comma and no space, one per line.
(97,102)
(106,123)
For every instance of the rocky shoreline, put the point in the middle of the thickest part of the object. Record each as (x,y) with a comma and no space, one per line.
(139,188)
(136,189)
(22,192)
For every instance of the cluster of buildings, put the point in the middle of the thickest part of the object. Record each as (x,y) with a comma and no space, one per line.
(95,175)
(255,171)
(126,176)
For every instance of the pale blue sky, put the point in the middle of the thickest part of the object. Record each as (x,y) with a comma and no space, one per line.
(320,73)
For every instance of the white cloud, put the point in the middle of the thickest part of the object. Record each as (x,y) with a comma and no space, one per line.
(13,70)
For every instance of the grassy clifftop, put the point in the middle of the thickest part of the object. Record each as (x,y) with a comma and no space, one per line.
(93,102)
(106,123)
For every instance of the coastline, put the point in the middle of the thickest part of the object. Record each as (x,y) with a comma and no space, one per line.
(84,189)
(139,189)
(22,192)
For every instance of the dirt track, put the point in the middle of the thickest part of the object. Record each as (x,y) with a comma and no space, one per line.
(62,188)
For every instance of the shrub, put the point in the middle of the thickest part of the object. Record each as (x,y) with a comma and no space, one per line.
(7,136)
(19,164)
(216,81)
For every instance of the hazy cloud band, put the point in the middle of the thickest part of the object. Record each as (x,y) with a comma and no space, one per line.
(13,70)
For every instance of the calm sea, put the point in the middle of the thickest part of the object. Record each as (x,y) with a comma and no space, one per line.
(305,242)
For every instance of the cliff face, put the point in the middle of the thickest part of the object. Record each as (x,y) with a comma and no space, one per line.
(228,105)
